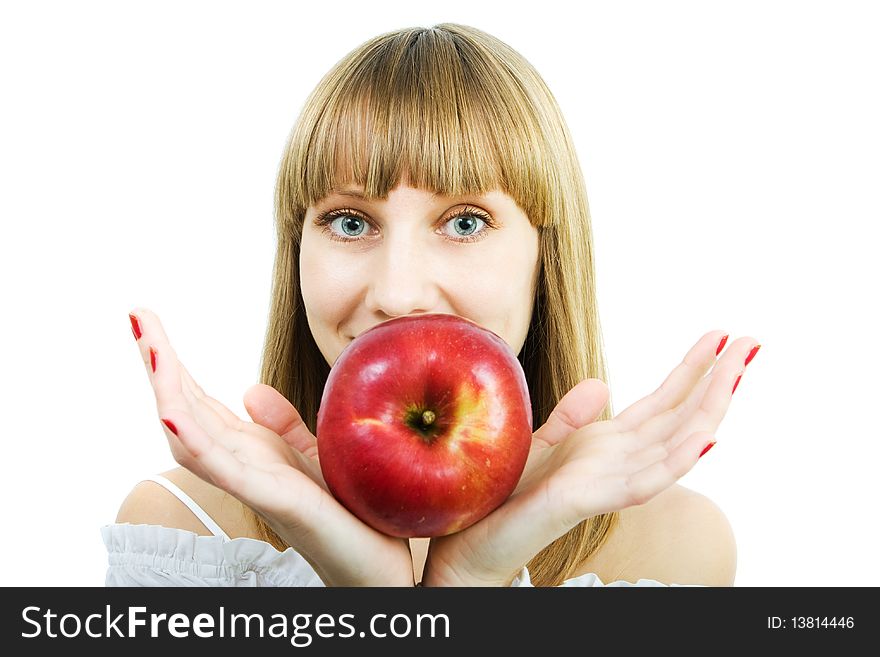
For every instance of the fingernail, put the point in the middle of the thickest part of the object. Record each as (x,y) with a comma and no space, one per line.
(173,429)
(752,354)
(705,449)
(153,358)
(135,326)
(736,384)
(721,344)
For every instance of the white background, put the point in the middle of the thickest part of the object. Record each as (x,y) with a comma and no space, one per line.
(730,152)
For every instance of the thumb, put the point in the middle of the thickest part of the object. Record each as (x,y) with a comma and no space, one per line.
(269,408)
(579,407)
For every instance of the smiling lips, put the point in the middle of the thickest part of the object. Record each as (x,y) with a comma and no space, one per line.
(413,315)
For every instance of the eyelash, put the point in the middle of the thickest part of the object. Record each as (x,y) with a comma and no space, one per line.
(326,218)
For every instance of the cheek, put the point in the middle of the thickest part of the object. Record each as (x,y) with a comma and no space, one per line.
(323,282)
(506,274)
(498,292)
(310,273)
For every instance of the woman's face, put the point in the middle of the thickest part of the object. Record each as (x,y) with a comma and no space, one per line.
(414,253)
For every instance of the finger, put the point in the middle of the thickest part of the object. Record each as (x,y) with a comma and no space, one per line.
(705,407)
(154,346)
(654,438)
(677,385)
(218,464)
(579,407)
(193,389)
(646,483)
(715,403)
(269,408)
(172,384)
(225,415)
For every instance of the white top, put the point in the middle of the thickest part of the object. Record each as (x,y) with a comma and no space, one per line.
(152,555)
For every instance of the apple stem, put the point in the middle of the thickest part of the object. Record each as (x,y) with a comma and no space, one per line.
(428,418)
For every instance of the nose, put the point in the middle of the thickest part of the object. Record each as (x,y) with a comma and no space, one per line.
(401,282)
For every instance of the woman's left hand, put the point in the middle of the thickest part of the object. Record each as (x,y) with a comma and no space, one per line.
(578,468)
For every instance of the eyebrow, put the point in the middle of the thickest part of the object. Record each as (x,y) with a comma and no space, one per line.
(358,193)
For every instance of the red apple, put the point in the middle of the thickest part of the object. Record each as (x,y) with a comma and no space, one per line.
(425,425)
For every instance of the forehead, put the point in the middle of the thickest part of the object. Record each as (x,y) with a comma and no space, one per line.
(344,181)
(350,190)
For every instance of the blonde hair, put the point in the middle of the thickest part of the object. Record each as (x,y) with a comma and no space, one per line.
(458,112)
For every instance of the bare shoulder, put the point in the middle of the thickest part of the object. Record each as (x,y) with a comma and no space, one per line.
(678,537)
(150,503)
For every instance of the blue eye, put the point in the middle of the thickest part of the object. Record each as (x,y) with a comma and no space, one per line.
(467,222)
(347,225)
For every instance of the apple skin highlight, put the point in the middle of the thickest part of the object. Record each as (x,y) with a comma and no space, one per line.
(425,425)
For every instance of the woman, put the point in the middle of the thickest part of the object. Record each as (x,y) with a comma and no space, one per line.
(431,171)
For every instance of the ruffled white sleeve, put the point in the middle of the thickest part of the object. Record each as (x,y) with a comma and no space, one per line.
(152,555)
(589,579)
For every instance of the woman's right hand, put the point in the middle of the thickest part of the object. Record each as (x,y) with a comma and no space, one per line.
(278,476)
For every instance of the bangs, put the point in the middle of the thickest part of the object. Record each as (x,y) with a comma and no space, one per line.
(428,105)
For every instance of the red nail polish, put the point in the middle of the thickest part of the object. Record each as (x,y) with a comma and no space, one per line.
(172,428)
(135,326)
(736,384)
(153,358)
(752,354)
(707,448)
(721,344)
